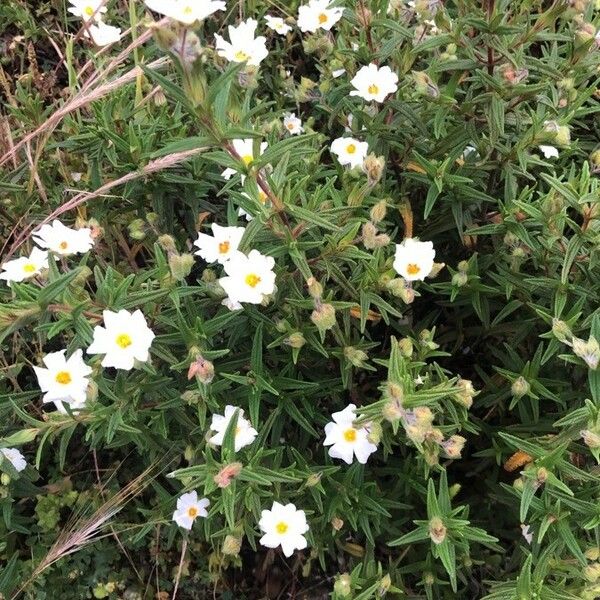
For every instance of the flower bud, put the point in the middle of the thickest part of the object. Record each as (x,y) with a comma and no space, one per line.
(592,572)
(588,351)
(378,212)
(392,411)
(136,229)
(465,392)
(463,266)
(167,243)
(541,476)
(395,392)
(435,270)
(188,453)
(591,438)
(425,85)
(337,523)
(592,553)
(384,585)
(437,530)
(343,586)
(459,279)
(369,232)
(231,545)
(375,433)
(320,45)
(585,33)
(561,330)
(313,479)
(453,446)
(520,387)
(373,167)
(295,340)
(323,317)
(595,161)
(428,578)
(203,369)
(513,76)
(181,265)
(306,92)
(405,345)
(355,356)
(315,289)
(227,474)
(5,479)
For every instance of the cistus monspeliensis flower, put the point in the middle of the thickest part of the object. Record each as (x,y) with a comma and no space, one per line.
(317,14)
(243,46)
(87,9)
(283,526)
(25,267)
(189,508)
(277,24)
(346,439)
(244,433)
(414,259)
(124,339)
(549,151)
(186,11)
(15,458)
(374,83)
(63,240)
(221,245)
(292,124)
(64,380)
(350,151)
(249,278)
(245,150)
(103,34)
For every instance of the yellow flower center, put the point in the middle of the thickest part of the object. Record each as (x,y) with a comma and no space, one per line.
(252,280)
(247,158)
(29,268)
(89,10)
(290,126)
(192,512)
(351,149)
(323,18)
(188,10)
(241,56)
(413,269)
(63,245)
(63,377)
(123,340)
(281,527)
(350,435)
(224,247)
(373,89)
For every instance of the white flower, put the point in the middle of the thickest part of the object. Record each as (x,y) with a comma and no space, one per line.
(249,278)
(221,245)
(527,533)
(189,508)
(245,150)
(244,433)
(338,73)
(549,151)
(277,24)
(414,259)
(87,9)
(16,459)
(125,338)
(283,526)
(25,267)
(373,83)
(64,381)
(63,240)
(350,151)
(186,11)
(292,123)
(103,34)
(243,46)
(345,439)
(317,15)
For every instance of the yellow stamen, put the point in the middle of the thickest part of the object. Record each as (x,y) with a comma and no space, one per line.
(192,512)
(241,56)
(323,18)
(247,158)
(290,126)
(123,340)
(281,527)
(350,435)
(89,10)
(224,247)
(29,268)
(252,280)
(63,245)
(413,269)
(351,149)
(63,377)
(373,89)
(188,10)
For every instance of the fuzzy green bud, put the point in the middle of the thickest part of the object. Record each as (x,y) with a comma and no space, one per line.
(180,265)
(355,356)
(136,229)
(592,572)
(375,433)
(425,85)
(313,479)
(315,289)
(591,438)
(343,586)
(384,585)
(378,212)
(561,330)
(167,243)
(463,266)
(428,578)
(231,545)
(520,387)
(437,530)
(295,340)
(209,276)
(369,233)
(459,279)
(5,479)
(323,317)
(588,351)
(406,347)
(392,411)
(465,392)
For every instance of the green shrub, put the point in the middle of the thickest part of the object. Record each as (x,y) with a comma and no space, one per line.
(431,279)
